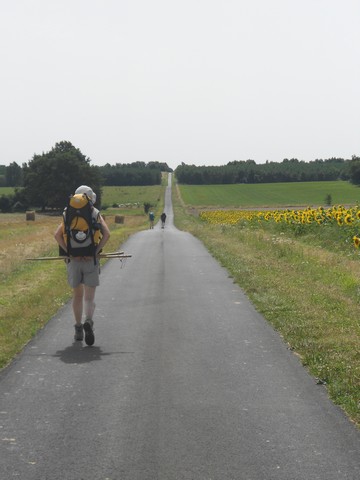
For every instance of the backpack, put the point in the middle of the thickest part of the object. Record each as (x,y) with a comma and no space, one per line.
(82,230)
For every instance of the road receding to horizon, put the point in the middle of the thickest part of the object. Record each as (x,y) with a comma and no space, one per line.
(186,381)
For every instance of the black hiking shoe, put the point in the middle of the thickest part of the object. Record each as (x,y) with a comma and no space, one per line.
(89,333)
(79,333)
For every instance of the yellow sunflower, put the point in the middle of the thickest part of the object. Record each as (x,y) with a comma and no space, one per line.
(356,241)
(348,219)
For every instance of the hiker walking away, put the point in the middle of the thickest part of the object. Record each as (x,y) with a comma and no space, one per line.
(151,219)
(81,236)
(163,219)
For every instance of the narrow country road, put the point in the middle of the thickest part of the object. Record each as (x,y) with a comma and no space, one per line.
(186,381)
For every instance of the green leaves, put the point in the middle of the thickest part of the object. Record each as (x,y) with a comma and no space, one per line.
(51,177)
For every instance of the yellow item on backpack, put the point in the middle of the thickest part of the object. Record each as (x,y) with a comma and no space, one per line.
(82,229)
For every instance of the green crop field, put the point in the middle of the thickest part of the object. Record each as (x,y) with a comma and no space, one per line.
(238,195)
(127,197)
(270,194)
(131,195)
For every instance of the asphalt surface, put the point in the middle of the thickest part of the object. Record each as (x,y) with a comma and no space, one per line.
(186,381)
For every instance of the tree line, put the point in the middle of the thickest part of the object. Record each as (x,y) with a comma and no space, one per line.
(293,170)
(48,179)
(133,174)
(128,174)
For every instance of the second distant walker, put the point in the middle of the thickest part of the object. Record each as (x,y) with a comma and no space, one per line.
(163,219)
(151,219)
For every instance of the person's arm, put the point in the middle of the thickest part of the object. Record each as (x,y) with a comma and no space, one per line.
(105,234)
(59,237)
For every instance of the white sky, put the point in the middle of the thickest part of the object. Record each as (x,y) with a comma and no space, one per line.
(203,82)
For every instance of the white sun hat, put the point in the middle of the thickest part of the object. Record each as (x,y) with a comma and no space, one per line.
(88,191)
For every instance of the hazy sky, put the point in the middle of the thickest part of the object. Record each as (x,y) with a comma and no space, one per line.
(203,82)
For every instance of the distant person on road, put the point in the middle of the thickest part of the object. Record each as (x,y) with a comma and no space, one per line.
(151,219)
(163,219)
(81,236)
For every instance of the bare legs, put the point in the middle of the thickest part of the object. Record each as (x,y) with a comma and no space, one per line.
(83,299)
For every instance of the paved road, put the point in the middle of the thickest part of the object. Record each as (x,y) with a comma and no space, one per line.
(186,381)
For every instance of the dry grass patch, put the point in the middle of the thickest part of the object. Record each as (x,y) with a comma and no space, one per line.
(20,239)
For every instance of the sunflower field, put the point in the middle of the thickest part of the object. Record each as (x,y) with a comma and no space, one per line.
(336,217)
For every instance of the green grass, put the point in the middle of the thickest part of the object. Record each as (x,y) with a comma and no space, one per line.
(7,190)
(29,297)
(132,196)
(306,285)
(270,194)
(239,195)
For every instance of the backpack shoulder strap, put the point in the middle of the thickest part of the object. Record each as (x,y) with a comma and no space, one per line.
(95,213)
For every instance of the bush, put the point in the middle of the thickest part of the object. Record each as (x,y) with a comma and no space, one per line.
(6,203)
(328,199)
(147,207)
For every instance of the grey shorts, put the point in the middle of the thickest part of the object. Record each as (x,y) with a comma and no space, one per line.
(83,271)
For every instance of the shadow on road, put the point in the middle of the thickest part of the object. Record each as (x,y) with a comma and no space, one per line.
(78,353)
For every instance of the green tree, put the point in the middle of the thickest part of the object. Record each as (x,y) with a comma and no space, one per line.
(50,178)
(2,176)
(13,175)
(5,203)
(355,170)
(136,173)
